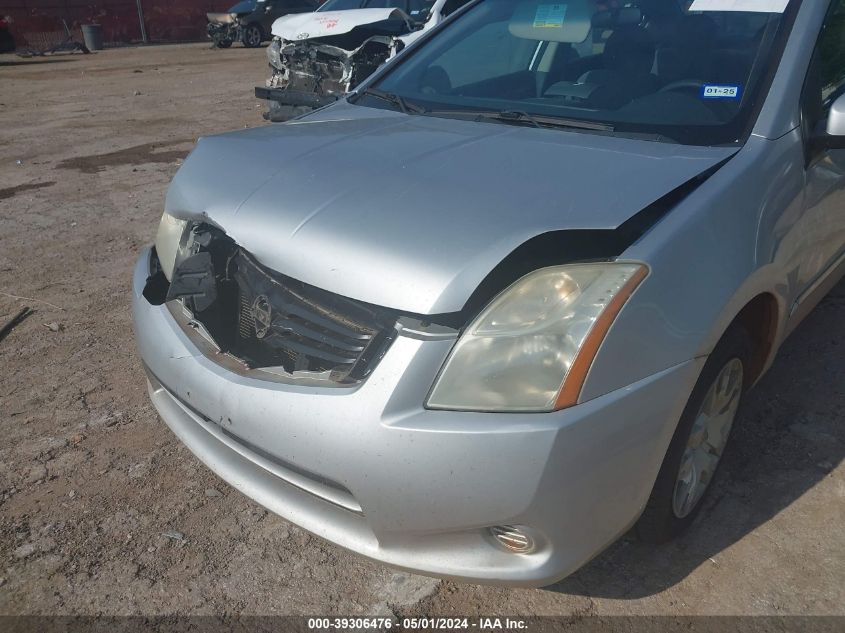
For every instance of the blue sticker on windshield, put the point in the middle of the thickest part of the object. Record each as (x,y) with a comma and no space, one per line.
(710,91)
(550,16)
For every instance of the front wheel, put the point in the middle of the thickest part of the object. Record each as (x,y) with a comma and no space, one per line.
(252,36)
(699,441)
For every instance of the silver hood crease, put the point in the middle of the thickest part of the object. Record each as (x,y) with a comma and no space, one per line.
(350,238)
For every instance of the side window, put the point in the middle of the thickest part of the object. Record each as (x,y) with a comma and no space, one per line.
(832,53)
(826,75)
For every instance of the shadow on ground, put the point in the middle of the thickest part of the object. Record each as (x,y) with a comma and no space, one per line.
(11,192)
(137,155)
(30,61)
(789,438)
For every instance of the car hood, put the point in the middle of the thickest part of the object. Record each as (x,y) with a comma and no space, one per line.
(306,26)
(412,212)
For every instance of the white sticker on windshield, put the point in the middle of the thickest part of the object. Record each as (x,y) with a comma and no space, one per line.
(550,16)
(709,91)
(755,6)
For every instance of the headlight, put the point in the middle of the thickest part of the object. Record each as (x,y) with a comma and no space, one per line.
(274,53)
(169,236)
(531,348)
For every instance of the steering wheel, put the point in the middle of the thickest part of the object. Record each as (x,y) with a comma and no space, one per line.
(683,85)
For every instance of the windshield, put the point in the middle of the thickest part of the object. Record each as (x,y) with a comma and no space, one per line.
(652,67)
(247,6)
(419,10)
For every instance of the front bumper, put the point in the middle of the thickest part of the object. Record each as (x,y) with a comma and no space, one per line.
(370,469)
(229,31)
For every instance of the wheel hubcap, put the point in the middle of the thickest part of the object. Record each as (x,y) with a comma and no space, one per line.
(708,438)
(254,37)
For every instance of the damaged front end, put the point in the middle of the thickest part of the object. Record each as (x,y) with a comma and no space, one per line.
(224,29)
(316,72)
(257,320)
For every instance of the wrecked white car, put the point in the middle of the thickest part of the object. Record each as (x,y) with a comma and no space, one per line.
(249,21)
(317,58)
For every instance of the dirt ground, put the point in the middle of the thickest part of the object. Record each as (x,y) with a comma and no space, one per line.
(102,511)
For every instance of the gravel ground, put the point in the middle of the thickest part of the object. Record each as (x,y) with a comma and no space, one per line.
(102,511)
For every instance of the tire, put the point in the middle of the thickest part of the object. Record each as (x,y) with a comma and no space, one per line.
(252,36)
(673,506)
(223,43)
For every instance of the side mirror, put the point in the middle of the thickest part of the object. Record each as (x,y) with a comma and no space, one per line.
(836,118)
(834,135)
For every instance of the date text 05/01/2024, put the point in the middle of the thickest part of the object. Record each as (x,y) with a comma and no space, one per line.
(418,624)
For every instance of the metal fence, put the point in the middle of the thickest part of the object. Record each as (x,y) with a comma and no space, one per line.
(38,23)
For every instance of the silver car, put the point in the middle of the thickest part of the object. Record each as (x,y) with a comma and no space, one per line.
(501,304)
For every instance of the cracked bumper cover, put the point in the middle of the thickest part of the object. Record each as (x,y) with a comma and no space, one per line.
(414,488)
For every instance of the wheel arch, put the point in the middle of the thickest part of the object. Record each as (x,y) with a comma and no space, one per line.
(760,317)
(760,306)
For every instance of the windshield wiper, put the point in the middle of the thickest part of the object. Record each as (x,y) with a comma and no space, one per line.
(399,101)
(520,117)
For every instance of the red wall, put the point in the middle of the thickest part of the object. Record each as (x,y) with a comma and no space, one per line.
(37,23)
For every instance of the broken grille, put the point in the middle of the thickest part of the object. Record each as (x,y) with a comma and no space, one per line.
(284,322)
(270,321)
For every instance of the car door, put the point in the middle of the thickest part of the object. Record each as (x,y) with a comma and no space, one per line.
(266,12)
(822,224)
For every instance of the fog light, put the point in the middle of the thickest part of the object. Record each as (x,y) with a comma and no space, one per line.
(513,538)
